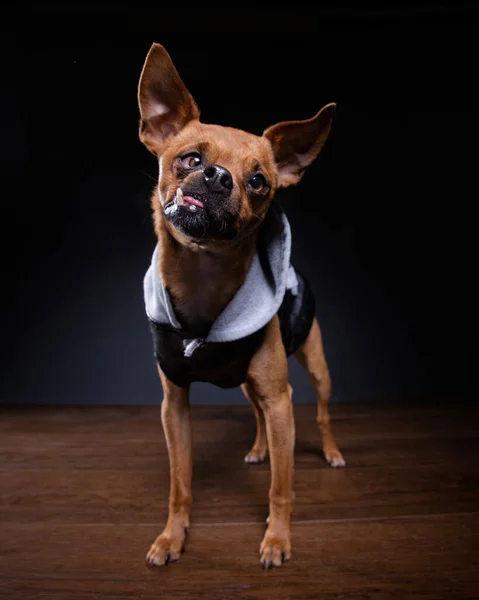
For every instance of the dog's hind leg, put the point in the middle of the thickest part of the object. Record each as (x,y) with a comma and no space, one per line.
(311,357)
(258,452)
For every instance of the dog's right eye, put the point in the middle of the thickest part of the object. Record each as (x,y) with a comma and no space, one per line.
(191,160)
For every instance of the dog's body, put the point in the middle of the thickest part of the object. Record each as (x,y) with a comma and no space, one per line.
(222,241)
(222,353)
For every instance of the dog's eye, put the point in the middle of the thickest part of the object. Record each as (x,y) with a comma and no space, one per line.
(191,160)
(258,182)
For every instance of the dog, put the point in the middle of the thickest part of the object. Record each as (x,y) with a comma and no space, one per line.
(223,302)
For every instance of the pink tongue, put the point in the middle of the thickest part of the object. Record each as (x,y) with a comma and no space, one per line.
(191,200)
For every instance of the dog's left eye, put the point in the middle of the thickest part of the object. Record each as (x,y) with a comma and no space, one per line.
(258,182)
(191,160)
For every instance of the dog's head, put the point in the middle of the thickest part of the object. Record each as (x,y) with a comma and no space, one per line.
(216,183)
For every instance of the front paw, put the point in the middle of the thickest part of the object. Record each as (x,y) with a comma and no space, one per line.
(274,549)
(166,548)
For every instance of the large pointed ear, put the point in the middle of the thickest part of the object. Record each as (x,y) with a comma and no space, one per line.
(166,106)
(297,143)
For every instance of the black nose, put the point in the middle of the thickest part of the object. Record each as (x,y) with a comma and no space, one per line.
(218,179)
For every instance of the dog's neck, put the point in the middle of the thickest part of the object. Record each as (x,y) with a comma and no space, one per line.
(202,281)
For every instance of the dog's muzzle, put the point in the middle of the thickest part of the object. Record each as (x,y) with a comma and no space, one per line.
(202,207)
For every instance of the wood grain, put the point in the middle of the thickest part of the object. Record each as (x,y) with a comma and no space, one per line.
(83,492)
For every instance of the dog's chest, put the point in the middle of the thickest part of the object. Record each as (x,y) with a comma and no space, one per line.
(224,364)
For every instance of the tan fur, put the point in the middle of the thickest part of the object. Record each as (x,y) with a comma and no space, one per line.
(202,275)
(268,379)
(311,356)
(260,447)
(176,420)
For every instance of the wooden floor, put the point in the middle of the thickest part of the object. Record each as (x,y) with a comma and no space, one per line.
(83,493)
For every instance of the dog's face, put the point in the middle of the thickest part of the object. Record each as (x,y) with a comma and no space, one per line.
(216,183)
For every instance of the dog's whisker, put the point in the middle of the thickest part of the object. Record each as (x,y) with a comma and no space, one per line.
(239,215)
(150,176)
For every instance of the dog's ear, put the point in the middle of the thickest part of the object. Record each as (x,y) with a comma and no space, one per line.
(166,106)
(297,143)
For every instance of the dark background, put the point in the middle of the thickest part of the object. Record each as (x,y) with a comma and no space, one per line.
(383,222)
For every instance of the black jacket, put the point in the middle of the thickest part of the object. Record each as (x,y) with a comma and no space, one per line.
(225,364)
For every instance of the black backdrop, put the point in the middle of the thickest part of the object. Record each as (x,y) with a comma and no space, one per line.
(383,222)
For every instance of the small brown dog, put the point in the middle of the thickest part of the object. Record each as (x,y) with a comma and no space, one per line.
(224,304)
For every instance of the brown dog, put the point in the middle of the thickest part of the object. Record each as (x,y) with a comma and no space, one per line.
(214,215)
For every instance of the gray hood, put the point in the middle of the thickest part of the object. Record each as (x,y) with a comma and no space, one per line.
(257,300)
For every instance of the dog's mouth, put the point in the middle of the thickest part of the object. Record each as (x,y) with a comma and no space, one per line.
(199,216)
(192,201)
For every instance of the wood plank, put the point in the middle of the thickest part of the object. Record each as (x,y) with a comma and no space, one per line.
(427,558)
(120,437)
(66,496)
(79,453)
(216,423)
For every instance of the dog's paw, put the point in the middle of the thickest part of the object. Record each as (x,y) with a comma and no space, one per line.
(274,550)
(334,457)
(166,548)
(255,456)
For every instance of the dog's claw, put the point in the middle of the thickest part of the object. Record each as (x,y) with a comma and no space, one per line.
(254,458)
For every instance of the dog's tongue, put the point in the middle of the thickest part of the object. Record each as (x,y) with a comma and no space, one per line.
(191,200)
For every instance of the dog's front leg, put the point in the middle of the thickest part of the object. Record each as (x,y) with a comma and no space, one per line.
(176,419)
(268,376)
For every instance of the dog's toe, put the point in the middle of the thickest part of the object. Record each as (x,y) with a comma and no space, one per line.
(255,456)
(165,549)
(274,551)
(253,459)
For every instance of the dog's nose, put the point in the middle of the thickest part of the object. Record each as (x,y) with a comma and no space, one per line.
(218,179)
